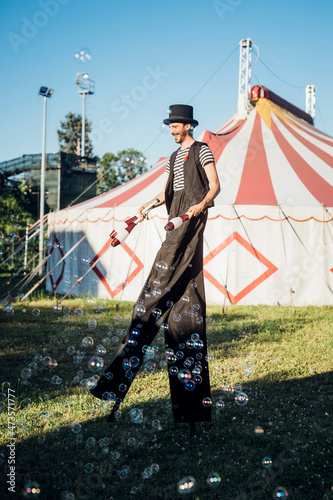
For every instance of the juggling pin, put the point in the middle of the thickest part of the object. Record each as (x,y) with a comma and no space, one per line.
(176,222)
(119,236)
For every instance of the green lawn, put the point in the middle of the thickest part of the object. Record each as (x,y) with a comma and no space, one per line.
(67,449)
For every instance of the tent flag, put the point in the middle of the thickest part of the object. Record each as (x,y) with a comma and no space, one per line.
(273,161)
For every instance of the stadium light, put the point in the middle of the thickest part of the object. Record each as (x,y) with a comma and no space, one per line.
(44,92)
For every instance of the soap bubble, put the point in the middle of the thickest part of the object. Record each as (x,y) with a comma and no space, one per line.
(131,441)
(35,312)
(280,492)
(161,266)
(26,402)
(88,468)
(213,480)
(156,424)
(90,443)
(15,216)
(83,55)
(139,309)
(96,364)
(122,387)
(78,312)
(157,312)
(100,350)
(248,369)
(76,428)
(184,375)
(173,370)
(259,430)
(87,342)
(189,385)
(156,292)
(92,323)
(241,398)
(267,462)
(169,303)
(220,404)
(238,388)
(207,402)
(134,360)
(150,367)
(31,490)
(177,317)
(136,415)
(186,485)
(26,373)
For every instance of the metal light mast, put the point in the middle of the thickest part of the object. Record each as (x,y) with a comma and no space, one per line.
(86,87)
(310,100)
(245,70)
(44,92)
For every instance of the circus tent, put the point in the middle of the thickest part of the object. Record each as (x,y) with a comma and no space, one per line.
(268,240)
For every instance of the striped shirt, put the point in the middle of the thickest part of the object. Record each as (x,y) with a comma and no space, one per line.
(205,157)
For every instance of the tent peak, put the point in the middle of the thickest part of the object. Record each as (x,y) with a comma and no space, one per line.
(260,92)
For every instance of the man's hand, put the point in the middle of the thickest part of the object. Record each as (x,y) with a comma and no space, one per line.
(195,210)
(139,213)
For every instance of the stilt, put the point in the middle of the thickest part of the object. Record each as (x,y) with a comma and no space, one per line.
(192,429)
(111,417)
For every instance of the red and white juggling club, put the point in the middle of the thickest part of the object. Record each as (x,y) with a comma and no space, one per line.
(176,222)
(119,236)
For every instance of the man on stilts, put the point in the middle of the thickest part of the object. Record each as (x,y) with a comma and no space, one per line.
(174,293)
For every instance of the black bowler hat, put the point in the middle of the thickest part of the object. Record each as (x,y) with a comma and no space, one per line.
(180,113)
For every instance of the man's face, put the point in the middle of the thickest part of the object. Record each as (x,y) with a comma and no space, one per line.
(179,131)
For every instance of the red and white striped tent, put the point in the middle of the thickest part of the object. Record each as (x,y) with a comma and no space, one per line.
(268,240)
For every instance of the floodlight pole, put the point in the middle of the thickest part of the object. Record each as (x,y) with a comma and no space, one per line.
(244,82)
(310,100)
(45,92)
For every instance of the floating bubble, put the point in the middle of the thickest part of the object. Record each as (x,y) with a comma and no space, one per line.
(220,404)
(100,350)
(91,442)
(15,216)
(88,468)
(156,292)
(76,428)
(26,402)
(184,375)
(35,312)
(139,309)
(241,398)
(280,492)
(238,388)
(38,358)
(87,342)
(122,387)
(248,369)
(157,312)
(161,266)
(177,317)
(169,303)
(207,402)
(92,323)
(115,455)
(150,367)
(199,320)
(96,364)
(186,485)
(83,55)
(156,424)
(259,430)
(26,373)
(188,362)
(180,354)
(78,312)
(267,462)
(170,358)
(131,441)
(173,370)
(213,480)
(197,379)
(31,490)
(189,385)
(136,415)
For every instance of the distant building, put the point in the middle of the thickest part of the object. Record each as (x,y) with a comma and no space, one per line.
(66,177)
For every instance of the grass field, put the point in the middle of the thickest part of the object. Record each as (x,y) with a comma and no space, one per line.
(66,449)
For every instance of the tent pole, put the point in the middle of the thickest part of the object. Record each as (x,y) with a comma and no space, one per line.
(285,254)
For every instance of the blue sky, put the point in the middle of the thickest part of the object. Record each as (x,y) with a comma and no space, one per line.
(147,55)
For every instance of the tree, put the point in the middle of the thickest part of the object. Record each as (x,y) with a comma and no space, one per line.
(70,135)
(114,170)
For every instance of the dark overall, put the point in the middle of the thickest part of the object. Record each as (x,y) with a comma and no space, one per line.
(174,296)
